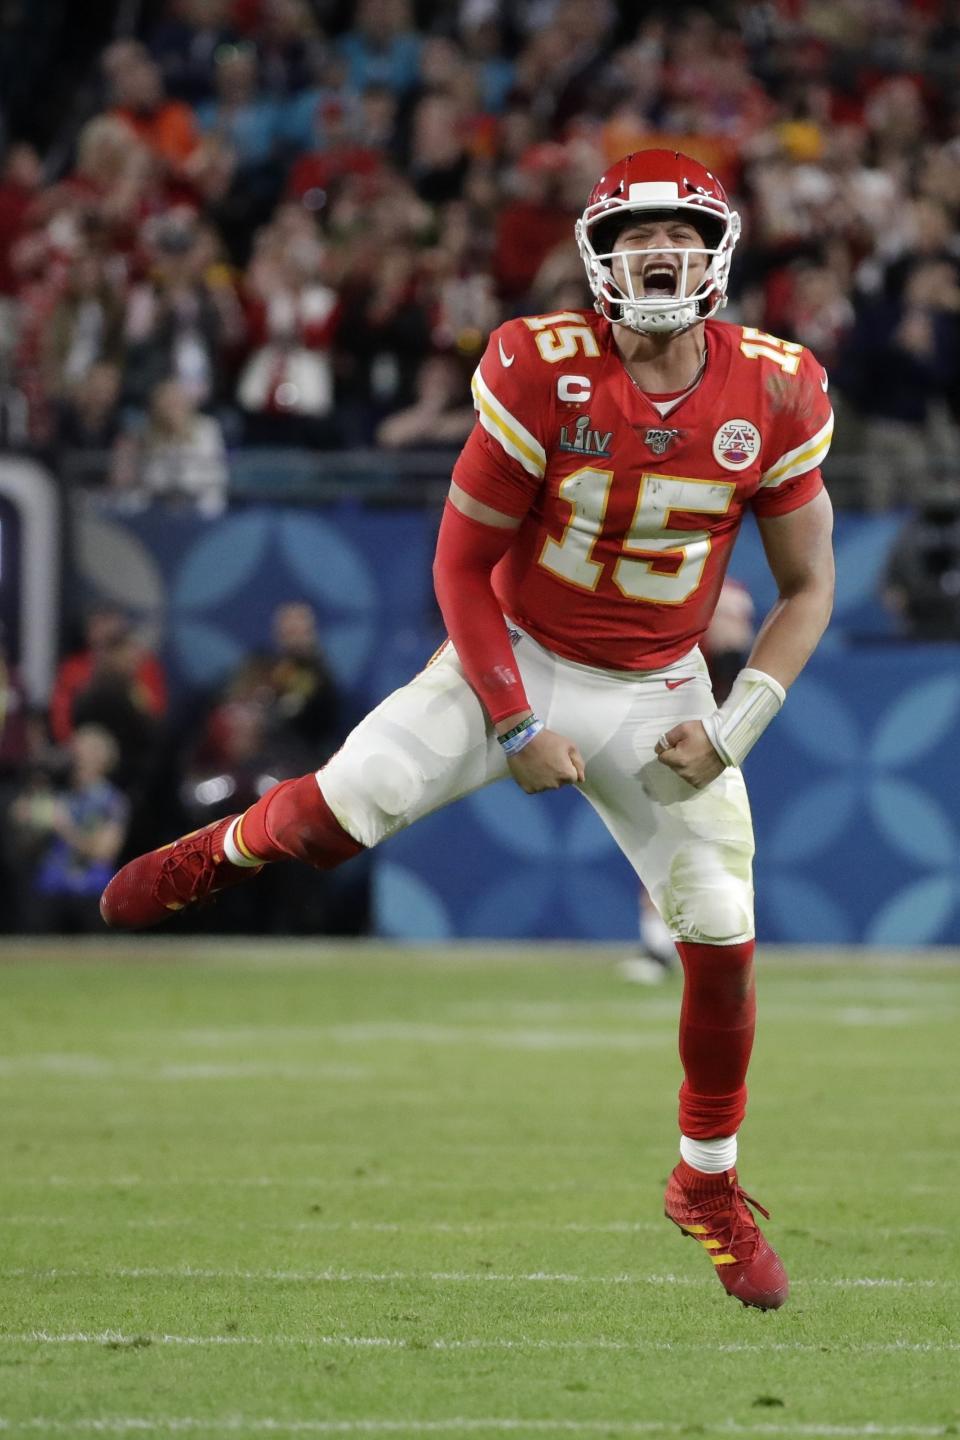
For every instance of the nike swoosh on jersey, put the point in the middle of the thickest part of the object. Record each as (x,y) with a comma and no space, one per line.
(675,684)
(505,360)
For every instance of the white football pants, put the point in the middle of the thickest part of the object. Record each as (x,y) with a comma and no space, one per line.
(430,743)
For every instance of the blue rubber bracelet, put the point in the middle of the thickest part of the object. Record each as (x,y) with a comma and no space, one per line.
(517,742)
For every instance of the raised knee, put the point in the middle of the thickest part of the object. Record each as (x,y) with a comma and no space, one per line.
(709,895)
(721,919)
(372,794)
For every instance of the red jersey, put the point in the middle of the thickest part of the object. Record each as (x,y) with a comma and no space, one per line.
(629,518)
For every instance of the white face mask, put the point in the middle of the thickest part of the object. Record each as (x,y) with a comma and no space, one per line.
(663,313)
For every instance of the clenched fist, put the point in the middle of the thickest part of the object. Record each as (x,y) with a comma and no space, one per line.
(687,751)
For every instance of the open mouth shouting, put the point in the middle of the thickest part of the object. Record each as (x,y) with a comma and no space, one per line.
(660,278)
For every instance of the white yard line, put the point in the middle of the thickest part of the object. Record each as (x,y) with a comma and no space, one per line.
(366,1032)
(376,1227)
(340,1182)
(428,1227)
(387,1342)
(439,1277)
(75,1066)
(375,1032)
(269,1425)
(644,1030)
(423,1184)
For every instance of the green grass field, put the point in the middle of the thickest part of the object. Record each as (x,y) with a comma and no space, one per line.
(259,1190)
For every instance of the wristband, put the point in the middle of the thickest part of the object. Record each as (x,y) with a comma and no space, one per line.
(735,728)
(520,735)
(518,729)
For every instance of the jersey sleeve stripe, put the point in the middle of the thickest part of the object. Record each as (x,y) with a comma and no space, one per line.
(515,439)
(797,462)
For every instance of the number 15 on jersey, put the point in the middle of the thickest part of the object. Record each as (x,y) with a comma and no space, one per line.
(648,543)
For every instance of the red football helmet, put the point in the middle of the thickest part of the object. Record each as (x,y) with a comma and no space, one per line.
(658,184)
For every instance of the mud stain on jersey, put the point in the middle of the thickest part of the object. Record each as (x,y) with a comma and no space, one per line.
(786,396)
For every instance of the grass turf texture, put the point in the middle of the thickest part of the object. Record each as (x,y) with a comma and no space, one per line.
(267,1190)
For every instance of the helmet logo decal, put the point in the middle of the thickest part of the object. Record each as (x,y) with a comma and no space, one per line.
(653,190)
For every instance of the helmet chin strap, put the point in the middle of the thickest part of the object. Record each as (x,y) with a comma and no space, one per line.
(667,321)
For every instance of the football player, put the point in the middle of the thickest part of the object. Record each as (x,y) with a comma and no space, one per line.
(590,519)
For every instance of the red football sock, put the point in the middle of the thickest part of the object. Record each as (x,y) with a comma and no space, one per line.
(293,821)
(717,1021)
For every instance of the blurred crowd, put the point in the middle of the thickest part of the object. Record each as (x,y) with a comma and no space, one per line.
(294,222)
(111,769)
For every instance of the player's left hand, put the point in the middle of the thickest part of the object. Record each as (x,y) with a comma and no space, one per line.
(687,751)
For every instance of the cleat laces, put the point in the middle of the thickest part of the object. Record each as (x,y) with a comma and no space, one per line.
(726,1219)
(187,874)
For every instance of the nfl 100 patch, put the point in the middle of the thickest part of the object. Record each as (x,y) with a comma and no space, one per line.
(659,439)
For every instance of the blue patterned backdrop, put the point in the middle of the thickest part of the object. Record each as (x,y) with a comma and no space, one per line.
(854,788)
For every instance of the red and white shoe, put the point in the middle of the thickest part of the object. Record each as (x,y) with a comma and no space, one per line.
(715,1211)
(156,885)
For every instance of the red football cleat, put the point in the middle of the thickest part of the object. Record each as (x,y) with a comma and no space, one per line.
(714,1210)
(154,886)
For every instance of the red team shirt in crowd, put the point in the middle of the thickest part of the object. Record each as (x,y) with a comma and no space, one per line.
(629,516)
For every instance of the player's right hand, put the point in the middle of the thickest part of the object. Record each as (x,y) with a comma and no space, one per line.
(547,762)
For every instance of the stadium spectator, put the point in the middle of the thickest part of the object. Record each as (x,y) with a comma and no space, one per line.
(303,710)
(291,687)
(240,114)
(439,159)
(343,140)
(290,47)
(174,325)
(901,367)
(113,188)
(89,436)
(494,68)
(241,754)
(85,327)
(231,760)
(559,70)
(182,457)
(116,700)
(105,627)
(166,127)
(382,48)
(559,283)
(440,415)
(185,43)
(20,182)
(810,304)
(385,329)
(532,225)
(67,838)
(923,232)
(280,707)
(286,389)
(20,740)
(922,584)
(23,747)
